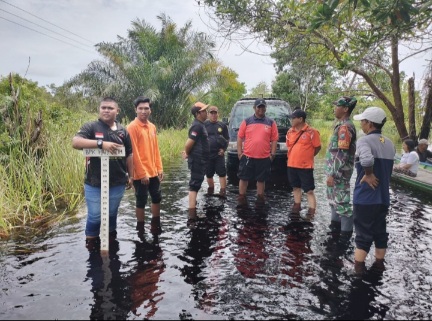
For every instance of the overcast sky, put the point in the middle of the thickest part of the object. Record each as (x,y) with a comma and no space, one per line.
(28,29)
(87,22)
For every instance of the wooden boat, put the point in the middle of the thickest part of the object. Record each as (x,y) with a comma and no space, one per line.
(423,180)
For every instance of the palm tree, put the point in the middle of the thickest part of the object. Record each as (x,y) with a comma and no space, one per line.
(168,66)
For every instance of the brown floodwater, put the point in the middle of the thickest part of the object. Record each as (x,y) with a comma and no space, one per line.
(255,264)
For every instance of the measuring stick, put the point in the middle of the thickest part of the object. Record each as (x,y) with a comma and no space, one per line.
(104,156)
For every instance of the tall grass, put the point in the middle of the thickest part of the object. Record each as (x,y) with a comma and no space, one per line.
(42,185)
(171,144)
(45,186)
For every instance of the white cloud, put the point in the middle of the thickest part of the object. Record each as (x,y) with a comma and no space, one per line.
(54,61)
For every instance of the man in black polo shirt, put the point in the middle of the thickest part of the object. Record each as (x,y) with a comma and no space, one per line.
(197,152)
(218,139)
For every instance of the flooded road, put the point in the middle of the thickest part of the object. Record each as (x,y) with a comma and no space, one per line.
(233,265)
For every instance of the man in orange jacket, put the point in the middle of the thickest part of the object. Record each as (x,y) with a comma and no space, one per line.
(148,170)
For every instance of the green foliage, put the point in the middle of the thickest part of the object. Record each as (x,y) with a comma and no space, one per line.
(345,36)
(42,182)
(225,91)
(37,178)
(168,66)
(171,144)
(260,90)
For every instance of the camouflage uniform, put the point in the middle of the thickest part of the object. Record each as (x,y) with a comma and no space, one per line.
(340,165)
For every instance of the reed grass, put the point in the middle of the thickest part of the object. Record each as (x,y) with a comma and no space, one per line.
(37,189)
(171,144)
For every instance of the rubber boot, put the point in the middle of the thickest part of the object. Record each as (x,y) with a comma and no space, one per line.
(222,192)
(92,244)
(378,266)
(140,230)
(242,201)
(192,218)
(260,201)
(210,190)
(296,208)
(155,226)
(310,214)
(359,268)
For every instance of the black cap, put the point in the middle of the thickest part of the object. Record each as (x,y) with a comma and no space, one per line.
(260,102)
(298,113)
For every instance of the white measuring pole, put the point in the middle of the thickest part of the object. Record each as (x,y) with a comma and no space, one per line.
(104,156)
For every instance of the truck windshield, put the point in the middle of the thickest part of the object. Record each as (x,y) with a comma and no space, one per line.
(278,112)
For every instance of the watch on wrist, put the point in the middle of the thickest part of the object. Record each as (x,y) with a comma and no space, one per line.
(99,143)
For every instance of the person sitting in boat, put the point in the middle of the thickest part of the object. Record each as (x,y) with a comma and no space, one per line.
(410,161)
(424,154)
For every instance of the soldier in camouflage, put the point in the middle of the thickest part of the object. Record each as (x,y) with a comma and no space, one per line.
(340,166)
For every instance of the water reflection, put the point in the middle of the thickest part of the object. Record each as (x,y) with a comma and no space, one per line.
(251,256)
(297,248)
(145,276)
(255,264)
(203,237)
(110,290)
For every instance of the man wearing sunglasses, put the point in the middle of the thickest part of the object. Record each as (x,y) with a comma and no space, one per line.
(218,140)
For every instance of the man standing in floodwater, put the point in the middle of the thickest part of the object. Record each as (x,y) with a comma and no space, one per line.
(340,167)
(256,148)
(218,140)
(374,160)
(148,169)
(197,152)
(106,134)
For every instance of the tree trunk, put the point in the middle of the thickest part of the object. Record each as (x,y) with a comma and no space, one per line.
(425,129)
(411,109)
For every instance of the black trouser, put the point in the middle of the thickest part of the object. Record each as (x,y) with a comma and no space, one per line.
(370,226)
(198,170)
(142,191)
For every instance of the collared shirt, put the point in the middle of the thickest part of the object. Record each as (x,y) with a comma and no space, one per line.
(200,150)
(117,165)
(341,150)
(374,150)
(258,133)
(301,146)
(146,155)
(218,136)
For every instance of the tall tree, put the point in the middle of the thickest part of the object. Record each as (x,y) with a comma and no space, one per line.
(359,37)
(167,65)
(225,91)
(260,90)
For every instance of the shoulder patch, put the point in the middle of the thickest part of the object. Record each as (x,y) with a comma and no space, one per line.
(344,137)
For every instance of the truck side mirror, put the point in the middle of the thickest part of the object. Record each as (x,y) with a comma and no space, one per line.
(225,120)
